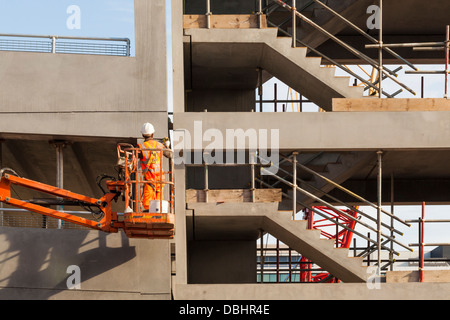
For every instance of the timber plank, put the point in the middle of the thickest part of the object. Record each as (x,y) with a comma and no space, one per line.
(233,196)
(393,105)
(242,21)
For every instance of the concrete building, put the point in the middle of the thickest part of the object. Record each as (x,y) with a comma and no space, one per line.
(221,56)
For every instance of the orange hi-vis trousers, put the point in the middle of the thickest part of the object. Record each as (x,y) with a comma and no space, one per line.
(152,190)
(151,165)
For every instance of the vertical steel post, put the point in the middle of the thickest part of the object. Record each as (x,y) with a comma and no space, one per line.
(447,54)
(53,44)
(278,261)
(301,103)
(337,232)
(261,257)
(275,100)
(260,13)
(260,90)
(206,182)
(294,182)
(208,14)
(379,187)
(391,254)
(290,264)
(294,24)
(252,168)
(368,249)
(421,244)
(422,85)
(380,52)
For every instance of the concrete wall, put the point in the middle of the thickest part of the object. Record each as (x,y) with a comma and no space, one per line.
(89,95)
(34,265)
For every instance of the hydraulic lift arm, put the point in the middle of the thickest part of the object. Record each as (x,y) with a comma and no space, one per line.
(158,223)
(108,222)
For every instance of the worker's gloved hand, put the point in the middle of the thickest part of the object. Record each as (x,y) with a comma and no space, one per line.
(166,142)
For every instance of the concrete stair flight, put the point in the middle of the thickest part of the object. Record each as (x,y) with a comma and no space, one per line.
(335,166)
(262,48)
(220,220)
(339,172)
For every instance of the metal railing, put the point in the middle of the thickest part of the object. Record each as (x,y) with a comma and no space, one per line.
(374,224)
(384,72)
(64,44)
(421,242)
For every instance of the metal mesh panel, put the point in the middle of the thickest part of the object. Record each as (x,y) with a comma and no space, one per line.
(34,220)
(97,46)
(26,45)
(81,47)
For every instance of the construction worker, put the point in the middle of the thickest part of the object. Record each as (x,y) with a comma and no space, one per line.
(151,163)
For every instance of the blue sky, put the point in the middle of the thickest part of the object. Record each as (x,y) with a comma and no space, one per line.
(100,18)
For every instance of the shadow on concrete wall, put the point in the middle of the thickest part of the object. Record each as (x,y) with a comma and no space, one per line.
(34,262)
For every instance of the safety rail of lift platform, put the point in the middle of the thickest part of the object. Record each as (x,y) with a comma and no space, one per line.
(65,44)
(135,176)
(374,224)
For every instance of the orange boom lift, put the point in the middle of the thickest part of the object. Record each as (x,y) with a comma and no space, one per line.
(158,223)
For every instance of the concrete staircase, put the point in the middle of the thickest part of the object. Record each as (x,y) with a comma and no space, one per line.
(236,219)
(335,166)
(339,170)
(262,48)
(352,10)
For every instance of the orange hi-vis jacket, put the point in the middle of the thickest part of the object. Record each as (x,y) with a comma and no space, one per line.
(151,166)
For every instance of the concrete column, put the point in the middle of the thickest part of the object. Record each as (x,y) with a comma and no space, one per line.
(180,223)
(177,56)
(180,170)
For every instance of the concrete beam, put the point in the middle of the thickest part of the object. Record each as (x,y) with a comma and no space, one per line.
(327,131)
(99,124)
(314,291)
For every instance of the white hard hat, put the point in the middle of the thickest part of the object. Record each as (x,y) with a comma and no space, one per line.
(147,129)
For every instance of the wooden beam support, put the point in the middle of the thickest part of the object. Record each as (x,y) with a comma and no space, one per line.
(233,196)
(390,105)
(242,21)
